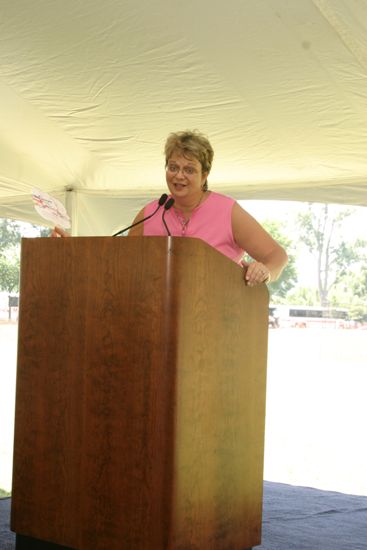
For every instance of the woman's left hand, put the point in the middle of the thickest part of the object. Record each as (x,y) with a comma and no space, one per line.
(255,273)
(59,232)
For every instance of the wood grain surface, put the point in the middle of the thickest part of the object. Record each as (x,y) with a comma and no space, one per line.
(140,396)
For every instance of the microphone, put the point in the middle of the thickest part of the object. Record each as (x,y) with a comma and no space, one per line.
(167,206)
(161,202)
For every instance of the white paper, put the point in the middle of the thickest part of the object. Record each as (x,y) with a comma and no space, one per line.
(50,209)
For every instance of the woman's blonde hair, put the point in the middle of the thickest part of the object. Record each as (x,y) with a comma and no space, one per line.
(191,143)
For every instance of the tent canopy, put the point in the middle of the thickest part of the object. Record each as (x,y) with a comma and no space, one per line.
(90,90)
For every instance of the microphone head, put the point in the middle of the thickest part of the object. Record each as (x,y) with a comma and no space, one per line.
(163,199)
(169,203)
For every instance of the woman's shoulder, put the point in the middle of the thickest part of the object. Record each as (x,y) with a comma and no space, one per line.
(220,199)
(150,206)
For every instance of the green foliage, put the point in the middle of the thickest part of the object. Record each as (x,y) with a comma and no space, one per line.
(359,283)
(9,234)
(351,292)
(9,273)
(9,255)
(304,296)
(358,312)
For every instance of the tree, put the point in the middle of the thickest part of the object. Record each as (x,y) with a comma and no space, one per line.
(359,284)
(9,273)
(321,231)
(304,296)
(351,292)
(9,255)
(10,234)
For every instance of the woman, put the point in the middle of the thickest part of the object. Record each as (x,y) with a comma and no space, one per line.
(215,218)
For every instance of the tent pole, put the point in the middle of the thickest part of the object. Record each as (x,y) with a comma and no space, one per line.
(71,207)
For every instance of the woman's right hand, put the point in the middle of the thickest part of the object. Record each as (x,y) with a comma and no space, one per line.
(59,232)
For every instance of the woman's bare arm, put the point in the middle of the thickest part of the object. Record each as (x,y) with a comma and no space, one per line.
(269,257)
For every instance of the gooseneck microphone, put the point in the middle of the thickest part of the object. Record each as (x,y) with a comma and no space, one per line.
(167,206)
(161,202)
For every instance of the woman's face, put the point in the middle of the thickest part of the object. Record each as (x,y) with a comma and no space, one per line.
(184,176)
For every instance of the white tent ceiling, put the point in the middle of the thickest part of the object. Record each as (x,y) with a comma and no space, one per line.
(90,90)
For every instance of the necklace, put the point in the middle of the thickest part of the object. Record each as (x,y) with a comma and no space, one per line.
(185,221)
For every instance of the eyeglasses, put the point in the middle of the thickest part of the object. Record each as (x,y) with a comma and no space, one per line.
(186,170)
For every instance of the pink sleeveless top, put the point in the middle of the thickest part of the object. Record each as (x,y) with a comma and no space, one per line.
(211,221)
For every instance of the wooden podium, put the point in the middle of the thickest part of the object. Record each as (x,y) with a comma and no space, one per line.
(140,404)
